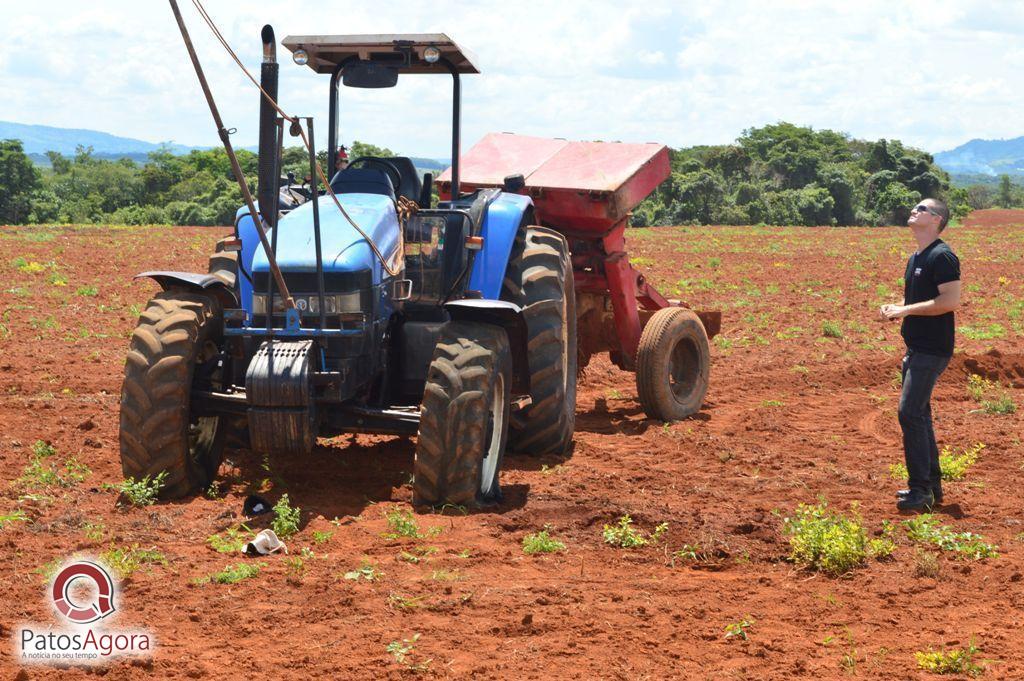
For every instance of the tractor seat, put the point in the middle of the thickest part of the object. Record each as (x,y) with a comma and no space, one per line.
(363,181)
(412,184)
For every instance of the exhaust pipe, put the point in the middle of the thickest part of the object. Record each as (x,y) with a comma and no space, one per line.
(269,173)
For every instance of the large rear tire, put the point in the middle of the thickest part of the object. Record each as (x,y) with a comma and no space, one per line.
(673,364)
(464,417)
(539,280)
(177,333)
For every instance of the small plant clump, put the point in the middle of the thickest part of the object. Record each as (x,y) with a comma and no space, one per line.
(143,492)
(366,571)
(831,329)
(926,529)
(739,629)
(954,466)
(541,542)
(18,516)
(990,395)
(41,472)
(128,560)
(232,574)
(883,545)
(232,540)
(403,650)
(956,661)
(402,523)
(624,536)
(286,519)
(826,540)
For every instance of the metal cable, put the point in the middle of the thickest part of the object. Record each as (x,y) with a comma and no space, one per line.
(394,267)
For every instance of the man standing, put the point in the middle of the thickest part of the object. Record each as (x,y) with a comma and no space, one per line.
(930,294)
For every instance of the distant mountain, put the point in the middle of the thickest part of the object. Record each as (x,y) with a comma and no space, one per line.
(984,157)
(39,139)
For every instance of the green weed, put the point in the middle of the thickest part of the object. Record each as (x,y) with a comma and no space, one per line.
(739,629)
(320,537)
(286,519)
(417,554)
(955,661)
(88,291)
(142,492)
(232,540)
(17,516)
(926,529)
(403,650)
(831,329)
(954,466)
(232,574)
(128,560)
(366,571)
(826,540)
(624,536)
(401,523)
(41,472)
(541,542)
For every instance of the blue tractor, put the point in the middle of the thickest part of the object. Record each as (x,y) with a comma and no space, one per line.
(371,311)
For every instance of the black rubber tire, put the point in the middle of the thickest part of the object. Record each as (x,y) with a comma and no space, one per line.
(673,364)
(539,280)
(224,263)
(459,424)
(175,331)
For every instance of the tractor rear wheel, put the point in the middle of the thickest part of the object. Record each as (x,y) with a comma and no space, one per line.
(175,345)
(464,417)
(673,364)
(539,280)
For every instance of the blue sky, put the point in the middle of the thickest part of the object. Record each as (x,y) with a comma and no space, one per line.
(934,74)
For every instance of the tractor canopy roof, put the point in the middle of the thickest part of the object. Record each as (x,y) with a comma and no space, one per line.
(402,51)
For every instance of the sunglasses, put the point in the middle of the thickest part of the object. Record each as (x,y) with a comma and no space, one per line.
(921,208)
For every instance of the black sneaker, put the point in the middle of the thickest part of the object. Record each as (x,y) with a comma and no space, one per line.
(916,500)
(936,494)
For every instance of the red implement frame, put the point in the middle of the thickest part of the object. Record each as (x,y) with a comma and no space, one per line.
(585,190)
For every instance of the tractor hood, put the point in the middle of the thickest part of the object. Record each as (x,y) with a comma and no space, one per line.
(344,249)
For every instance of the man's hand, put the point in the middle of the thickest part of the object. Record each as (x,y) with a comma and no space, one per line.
(893,312)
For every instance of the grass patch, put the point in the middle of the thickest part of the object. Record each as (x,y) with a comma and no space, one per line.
(954,465)
(87,291)
(826,540)
(286,519)
(142,492)
(926,529)
(541,542)
(831,329)
(990,332)
(320,537)
(624,536)
(129,559)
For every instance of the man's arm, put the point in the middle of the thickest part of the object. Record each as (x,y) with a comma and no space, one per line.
(947,301)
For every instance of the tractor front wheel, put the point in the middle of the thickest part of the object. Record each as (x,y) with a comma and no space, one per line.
(673,364)
(464,417)
(174,346)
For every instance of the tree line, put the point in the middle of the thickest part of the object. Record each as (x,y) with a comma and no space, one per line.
(780,174)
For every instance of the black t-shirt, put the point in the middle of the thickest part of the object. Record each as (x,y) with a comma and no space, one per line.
(935,265)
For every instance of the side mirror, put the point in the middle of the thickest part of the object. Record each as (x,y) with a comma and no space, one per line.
(513,184)
(368,74)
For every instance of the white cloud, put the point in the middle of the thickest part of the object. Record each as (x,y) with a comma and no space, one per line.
(934,73)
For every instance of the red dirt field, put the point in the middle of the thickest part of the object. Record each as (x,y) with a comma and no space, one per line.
(791,416)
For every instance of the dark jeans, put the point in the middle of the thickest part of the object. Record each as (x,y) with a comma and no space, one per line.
(920,372)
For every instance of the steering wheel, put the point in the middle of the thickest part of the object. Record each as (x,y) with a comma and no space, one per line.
(387,166)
